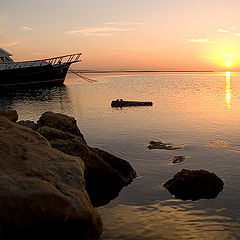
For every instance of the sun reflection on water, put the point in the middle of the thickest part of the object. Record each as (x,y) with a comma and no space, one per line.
(228,94)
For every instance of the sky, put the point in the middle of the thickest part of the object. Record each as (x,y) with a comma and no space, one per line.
(125,34)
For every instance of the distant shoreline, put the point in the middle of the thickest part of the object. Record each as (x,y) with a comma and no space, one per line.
(138,71)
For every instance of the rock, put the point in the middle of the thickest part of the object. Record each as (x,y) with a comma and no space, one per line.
(61,122)
(103,182)
(11,115)
(194,185)
(105,174)
(51,133)
(122,166)
(42,190)
(161,145)
(29,124)
(178,159)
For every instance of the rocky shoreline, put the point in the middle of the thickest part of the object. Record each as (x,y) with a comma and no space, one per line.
(51,180)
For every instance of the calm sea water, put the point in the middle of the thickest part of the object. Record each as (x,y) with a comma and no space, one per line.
(200,112)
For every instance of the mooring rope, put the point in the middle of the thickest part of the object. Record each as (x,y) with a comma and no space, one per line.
(84,78)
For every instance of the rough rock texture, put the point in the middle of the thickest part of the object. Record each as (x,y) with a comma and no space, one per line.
(42,190)
(123,167)
(61,122)
(105,174)
(29,124)
(11,115)
(194,185)
(161,145)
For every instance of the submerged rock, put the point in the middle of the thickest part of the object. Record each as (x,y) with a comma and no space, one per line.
(178,159)
(161,145)
(105,174)
(10,115)
(194,185)
(42,190)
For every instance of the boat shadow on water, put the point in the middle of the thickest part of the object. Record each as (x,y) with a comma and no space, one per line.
(10,97)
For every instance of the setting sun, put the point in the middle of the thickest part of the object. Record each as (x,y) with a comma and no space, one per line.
(228,63)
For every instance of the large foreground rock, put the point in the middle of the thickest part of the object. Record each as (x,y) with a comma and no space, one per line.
(105,174)
(42,190)
(194,185)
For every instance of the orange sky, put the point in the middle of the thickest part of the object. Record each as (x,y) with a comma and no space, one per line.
(121,35)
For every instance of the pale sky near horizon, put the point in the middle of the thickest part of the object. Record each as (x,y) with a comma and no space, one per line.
(125,34)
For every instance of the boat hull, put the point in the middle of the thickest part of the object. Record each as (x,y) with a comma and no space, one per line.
(38,75)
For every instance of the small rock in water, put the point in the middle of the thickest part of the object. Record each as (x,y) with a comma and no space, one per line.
(161,145)
(178,159)
(194,185)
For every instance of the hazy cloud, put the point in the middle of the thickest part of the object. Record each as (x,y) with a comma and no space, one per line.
(230,54)
(108,28)
(100,31)
(25,28)
(9,44)
(125,23)
(200,40)
(237,34)
(222,30)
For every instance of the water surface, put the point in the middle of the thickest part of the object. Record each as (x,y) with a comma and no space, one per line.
(200,112)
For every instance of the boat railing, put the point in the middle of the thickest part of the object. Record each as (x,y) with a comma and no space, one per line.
(70,58)
(63,59)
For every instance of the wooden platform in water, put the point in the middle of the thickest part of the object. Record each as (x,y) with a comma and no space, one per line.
(122,103)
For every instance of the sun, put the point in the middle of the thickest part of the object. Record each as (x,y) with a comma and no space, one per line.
(228,63)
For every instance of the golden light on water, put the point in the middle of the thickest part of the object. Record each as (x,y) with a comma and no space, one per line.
(228,94)
(228,74)
(165,221)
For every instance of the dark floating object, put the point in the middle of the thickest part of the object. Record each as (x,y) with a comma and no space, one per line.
(178,159)
(122,103)
(161,145)
(194,185)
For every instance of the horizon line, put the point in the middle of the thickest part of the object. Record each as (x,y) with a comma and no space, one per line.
(140,71)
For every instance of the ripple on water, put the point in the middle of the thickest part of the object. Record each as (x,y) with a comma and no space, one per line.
(166,220)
